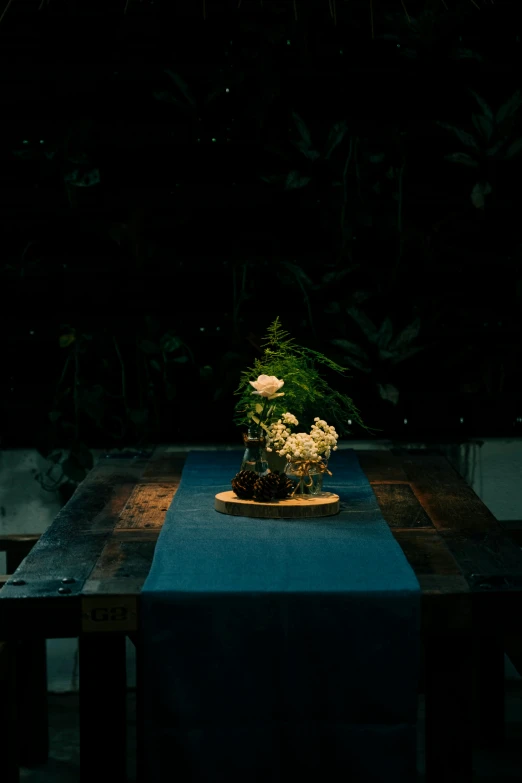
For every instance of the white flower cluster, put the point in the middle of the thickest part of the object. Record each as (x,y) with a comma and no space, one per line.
(300,446)
(324,436)
(279,431)
(320,442)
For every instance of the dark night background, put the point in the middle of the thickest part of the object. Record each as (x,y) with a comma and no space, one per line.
(169,184)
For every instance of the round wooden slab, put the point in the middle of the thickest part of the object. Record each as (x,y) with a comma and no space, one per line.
(302,507)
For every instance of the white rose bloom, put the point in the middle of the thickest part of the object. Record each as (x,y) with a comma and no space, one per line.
(267,386)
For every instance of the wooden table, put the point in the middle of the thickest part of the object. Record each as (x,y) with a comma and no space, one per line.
(83,579)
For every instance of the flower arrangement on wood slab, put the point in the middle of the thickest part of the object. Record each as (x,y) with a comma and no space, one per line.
(288,377)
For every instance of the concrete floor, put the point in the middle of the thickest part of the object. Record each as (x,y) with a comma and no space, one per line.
(498,766)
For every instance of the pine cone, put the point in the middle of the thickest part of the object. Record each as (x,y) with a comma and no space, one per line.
(264,488)
(284,486)
(243,484)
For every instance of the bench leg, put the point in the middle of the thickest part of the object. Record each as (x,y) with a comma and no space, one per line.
(32,701)
(489,690)
(103,707)
(9,765)
(449,691)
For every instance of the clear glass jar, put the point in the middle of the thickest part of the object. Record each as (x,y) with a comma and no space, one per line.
(254,457)
(308,475)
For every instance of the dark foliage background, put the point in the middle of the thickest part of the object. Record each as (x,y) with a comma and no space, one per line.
(170,184)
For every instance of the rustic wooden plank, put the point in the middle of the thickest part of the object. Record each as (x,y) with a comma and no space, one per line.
(123,565)
(487,557)
(400,507)
(72,544)
(147,505)
(426,552)
(433,585)
(450,503)
(165,467)
(61,561)
(382,467)
(110,613)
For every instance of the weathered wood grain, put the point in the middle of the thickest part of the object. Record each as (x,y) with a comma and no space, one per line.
(427,552)
(147,506)
(400,506)
(165,466)
(449,502)
(382,467)
(123,565)
(58,565)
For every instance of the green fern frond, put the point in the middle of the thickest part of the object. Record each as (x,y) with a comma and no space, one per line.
(306,392)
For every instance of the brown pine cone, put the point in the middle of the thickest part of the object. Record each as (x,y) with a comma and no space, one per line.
(284,486)
(243,484)
(264,488)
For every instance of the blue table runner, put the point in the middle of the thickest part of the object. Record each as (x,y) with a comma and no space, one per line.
(274,650)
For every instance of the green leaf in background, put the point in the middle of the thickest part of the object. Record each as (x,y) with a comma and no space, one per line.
(514,149)
(170,343)
(183,87)
(296,180)
(486,108)
(54,416)
(404,339)
(351,348)
(170,391)
(155,365)
(385,333)
(335,137)
(466,138)
(67,339)
(181,359)
(389,392)
(463,158)
(509,108)
(365,323)
(484,125)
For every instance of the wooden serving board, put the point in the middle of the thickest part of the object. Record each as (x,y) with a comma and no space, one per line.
(306,507)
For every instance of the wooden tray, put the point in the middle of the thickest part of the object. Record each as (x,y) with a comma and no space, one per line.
(304,507)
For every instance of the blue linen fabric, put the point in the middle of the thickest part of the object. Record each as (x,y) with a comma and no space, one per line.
(276,650)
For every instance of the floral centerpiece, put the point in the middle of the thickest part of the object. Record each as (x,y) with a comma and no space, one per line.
(282,385)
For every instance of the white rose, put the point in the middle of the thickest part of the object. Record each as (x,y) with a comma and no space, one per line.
(267,386)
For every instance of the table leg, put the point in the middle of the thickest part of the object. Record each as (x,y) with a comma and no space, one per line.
(32,700)
(103,707)
(449,691)
(140,761)
(9,765)
(489,681)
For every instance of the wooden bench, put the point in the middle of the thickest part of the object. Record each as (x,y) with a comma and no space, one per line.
(83,579)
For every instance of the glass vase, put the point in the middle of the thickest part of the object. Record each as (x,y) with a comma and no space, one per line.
(254,457)
(308,475)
